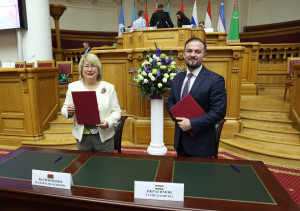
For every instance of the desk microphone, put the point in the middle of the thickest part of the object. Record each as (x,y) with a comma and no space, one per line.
(157,23)
(30,57)
(168,24)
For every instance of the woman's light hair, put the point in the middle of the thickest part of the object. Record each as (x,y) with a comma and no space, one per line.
(93,59)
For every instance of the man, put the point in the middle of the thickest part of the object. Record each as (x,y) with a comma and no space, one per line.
(201,25)
(86,47)
(208,89)
(140,23)
(161,19)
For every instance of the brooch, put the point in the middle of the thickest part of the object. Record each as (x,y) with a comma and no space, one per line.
(103,91)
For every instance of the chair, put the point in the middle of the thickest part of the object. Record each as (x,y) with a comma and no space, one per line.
(19,64)
(118,133)
(218,126)
(290,74)
(65,67)
(46,63)
(29,65)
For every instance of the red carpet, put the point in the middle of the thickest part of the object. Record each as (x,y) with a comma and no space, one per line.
(289,178)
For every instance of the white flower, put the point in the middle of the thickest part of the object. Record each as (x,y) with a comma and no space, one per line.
(159,85)
(150,75)
(166,75)
(152,78)
(144,73)
(173,62)
(164,80)
(144,63)
(150,60)
(145,81)
(172,74)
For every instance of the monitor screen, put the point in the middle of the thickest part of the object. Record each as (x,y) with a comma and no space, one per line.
(12,14)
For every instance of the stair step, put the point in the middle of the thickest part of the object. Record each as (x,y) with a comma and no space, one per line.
(273,145)
(267,122)
(271,128)
(267,113)
(50,142)
(61,135)
(270,139)
(270,133)
(265,117)
(256,109)
(262,149)
(58,131)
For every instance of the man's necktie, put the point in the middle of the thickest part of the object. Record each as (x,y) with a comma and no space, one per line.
(186,86)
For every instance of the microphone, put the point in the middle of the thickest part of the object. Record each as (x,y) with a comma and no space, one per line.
(30,57)
(167,24)
(157,23)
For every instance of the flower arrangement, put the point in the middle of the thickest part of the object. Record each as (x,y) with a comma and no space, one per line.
(155,75)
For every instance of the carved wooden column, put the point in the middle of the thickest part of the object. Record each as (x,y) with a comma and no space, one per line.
(56,11)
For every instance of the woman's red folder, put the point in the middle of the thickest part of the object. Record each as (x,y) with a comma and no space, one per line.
(86,106)
(188,108)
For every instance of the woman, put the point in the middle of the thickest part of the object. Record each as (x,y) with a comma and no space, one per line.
(100,137)
(182,19)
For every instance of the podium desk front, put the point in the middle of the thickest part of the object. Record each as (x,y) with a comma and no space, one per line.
(105,181)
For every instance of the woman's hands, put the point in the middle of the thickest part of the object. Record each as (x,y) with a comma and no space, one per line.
(71,110)
(103,125)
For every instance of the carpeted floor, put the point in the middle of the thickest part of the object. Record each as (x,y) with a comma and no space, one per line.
(289,178)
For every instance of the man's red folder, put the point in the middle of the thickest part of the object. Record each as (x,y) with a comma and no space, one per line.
(188,108)
(86,106)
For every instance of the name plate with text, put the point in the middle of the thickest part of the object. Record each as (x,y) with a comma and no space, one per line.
(159,191)
(51,179)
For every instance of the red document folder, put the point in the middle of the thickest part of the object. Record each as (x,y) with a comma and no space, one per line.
(86,106)
(188,108)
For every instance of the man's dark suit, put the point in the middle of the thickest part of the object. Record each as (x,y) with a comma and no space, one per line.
(161,19)
(210,93)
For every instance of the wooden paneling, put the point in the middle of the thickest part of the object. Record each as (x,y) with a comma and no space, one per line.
(295,99)
(29,100)
(216,38)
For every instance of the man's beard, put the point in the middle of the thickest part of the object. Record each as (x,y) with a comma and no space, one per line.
(193,66)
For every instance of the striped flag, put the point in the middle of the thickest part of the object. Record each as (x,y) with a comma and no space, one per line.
(194,19)
(169,8)
(146,15)
(208,16)
(182,10)
(156,4)
(221,21)
(234,26)
(121,22)
(50,176)
(133,14)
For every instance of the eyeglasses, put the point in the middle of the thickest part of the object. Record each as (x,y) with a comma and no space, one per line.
(92,67)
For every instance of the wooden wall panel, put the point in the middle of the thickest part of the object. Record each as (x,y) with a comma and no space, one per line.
(295,99)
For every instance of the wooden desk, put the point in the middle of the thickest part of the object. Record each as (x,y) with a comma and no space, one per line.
(16,193)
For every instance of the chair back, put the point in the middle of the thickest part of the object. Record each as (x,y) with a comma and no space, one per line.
(291,62)
(65,67)
(118,134)
(19,64)
(29,65)
(218,126)
(46,63)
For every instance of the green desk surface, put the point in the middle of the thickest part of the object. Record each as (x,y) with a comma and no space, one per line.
(21,165)
(221,181)
(115,173)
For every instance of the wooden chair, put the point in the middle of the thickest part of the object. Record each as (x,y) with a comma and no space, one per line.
(46,63)
(20,64)
(219,126)
(65,67)
(118,134)
(290,74)
(29,65)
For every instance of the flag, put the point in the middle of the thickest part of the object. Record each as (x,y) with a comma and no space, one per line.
(146,15)
(156,4)
(182,10)
(169,9)
(194,19)
(133,14)
(221,21)
(208,16)
(121,22)
(234,26)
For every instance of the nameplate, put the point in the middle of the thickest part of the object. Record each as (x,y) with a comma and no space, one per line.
(51,179)
(5,64)
(159,191)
